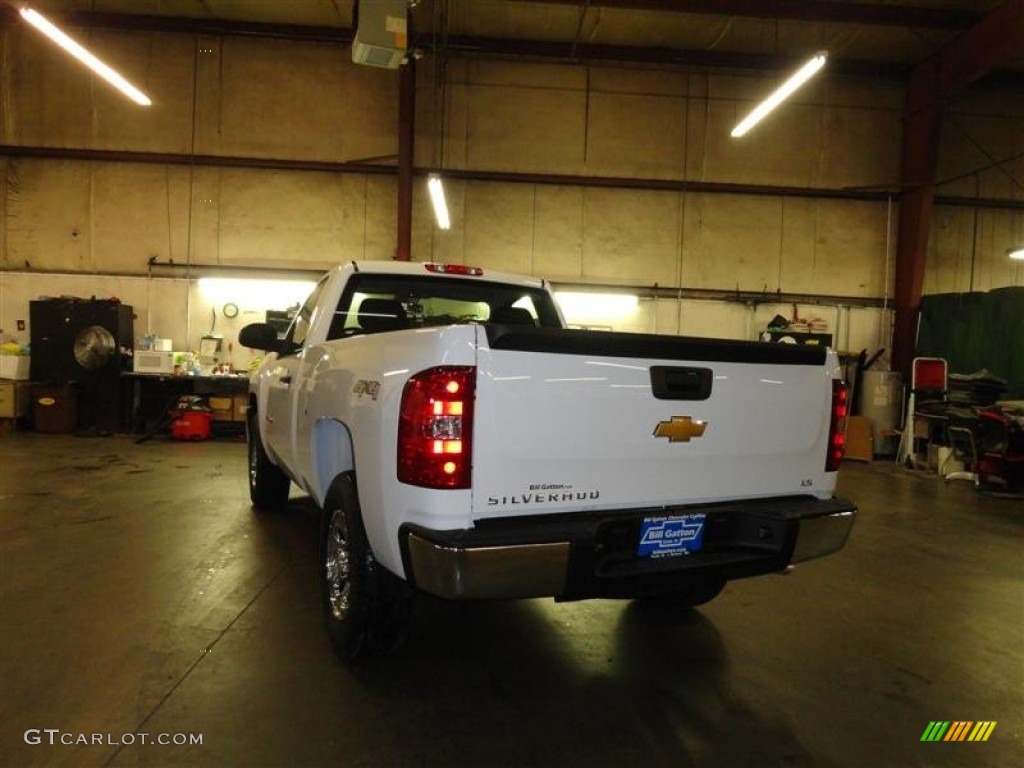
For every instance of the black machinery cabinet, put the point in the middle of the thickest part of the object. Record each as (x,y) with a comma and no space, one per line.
(85,344)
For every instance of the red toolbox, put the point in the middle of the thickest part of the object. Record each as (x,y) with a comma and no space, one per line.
(191,419)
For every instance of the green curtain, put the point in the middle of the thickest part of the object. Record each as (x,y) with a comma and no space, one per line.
(975,331)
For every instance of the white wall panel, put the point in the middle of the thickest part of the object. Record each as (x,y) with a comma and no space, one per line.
(712,319)
(967,250)
(380,206)
(499,226)
(299,100)
(138,212)
(860,148)
(850,248)
(631,237)
(558,233)
(526,129)
(48,215)
(636,135)
(732,242)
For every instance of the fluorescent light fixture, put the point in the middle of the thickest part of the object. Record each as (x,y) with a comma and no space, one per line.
(255,293)
(596,308)
(782,93)
(437,198)
(1017,254)
(40,22)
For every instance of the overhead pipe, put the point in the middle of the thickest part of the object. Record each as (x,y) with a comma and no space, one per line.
(752,298)
(555,179)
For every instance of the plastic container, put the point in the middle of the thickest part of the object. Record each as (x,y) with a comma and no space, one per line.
(881,400)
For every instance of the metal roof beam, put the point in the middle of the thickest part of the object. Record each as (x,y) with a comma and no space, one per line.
(566,51)
(133,22)
(461,44)
(880,14)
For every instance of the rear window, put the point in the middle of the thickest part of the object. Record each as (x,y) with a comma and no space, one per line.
(380,303)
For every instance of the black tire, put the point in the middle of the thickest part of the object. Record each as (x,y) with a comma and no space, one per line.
(268,485)
(366,607)
(697,593)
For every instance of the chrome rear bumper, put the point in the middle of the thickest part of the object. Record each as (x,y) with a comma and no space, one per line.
(522,570)
(821,536)
(575,556)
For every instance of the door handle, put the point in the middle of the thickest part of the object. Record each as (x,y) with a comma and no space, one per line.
(681,383)
(286,379)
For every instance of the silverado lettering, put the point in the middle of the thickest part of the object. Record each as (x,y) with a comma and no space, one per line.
(542,498)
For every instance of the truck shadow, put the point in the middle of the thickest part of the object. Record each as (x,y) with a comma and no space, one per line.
(532,682)
(602,682)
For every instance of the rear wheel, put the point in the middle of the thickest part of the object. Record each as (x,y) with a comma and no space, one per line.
(697,593)
(268,485)
(366,607)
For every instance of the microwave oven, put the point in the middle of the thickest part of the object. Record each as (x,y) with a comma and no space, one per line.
(153,361)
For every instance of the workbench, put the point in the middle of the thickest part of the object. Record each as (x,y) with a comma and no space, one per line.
(148,397)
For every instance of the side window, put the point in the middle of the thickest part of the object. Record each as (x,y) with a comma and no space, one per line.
(296,335)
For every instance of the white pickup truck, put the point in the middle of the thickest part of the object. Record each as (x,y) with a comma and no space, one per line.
(462,442)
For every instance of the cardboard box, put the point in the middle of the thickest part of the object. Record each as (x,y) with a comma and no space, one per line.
(241,407)
(228,408)
(15,397)
(859,440)
(14,367)
(221,407)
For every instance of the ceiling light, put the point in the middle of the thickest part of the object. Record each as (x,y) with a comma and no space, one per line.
(437,198)
(38,21)
(589,308)
(1016,253)
(255,293)
(782,93)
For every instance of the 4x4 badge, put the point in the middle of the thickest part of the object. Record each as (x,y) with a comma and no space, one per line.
(680,429)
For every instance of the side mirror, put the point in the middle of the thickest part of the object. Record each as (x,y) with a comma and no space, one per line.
(260,336)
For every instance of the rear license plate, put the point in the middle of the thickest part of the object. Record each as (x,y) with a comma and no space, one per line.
(670,536)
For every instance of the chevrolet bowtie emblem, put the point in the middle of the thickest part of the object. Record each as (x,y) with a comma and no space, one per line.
(680,429)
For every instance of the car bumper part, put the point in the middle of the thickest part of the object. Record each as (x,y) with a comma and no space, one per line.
(582,555)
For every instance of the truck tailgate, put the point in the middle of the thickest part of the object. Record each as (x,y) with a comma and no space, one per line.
(568,420)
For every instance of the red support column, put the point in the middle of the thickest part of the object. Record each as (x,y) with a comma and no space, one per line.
(406,145)
(994,40)
(920,155)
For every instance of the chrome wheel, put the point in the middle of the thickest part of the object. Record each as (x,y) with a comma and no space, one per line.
(253,460)
(337,565)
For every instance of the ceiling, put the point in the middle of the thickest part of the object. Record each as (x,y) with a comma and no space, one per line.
(861,36)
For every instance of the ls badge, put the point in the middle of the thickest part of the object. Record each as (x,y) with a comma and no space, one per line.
(680,429)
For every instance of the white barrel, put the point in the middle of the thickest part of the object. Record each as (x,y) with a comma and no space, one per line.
(881,400)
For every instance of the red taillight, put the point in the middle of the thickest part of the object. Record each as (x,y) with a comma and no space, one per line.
(453,269)
(435,428)
(837,427)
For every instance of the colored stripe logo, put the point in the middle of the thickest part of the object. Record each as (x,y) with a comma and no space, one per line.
(958,730)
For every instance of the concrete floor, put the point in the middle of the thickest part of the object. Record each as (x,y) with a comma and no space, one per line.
(139,593)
